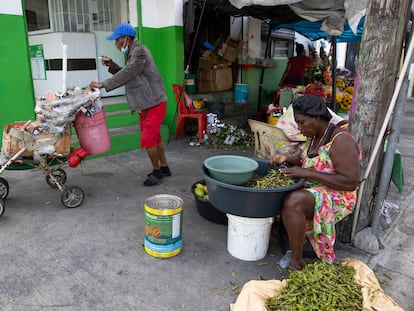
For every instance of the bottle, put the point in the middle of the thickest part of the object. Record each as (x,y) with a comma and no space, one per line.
(205,136)
(285,260)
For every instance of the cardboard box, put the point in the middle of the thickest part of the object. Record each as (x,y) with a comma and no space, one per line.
(10,145)
(223,79)
(222,65)
(61,141)
(208,59)
(16,136)
(231,49)
(214,80)
(205,86)
(206,65)
(63,144)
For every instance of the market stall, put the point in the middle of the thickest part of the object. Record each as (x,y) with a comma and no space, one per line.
(338,86)
(331,20)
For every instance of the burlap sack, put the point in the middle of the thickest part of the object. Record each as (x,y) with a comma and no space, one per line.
(254,293)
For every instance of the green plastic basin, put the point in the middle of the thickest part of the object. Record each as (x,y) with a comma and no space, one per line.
(231,169)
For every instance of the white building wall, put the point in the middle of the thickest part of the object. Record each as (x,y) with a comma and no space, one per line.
(13,7)
(162,13)
(79,45)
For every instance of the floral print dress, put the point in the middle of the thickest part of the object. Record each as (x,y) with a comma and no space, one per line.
(330,205)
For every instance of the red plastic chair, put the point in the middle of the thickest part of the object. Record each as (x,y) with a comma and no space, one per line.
(186,110)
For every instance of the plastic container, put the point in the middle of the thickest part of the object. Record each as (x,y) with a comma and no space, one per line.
(240,92)
(198,103)
(208,45)
(272,120)
(190,84)
(92,132)
(248,238)
(206,209)
(232,169)
(244,201)
(163,225)
(286,97)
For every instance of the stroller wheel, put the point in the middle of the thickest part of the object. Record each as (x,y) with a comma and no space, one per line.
(2,207)
(72,196)
(60,176)
(4,188)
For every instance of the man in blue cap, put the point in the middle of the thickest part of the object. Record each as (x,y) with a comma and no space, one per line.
(145,93)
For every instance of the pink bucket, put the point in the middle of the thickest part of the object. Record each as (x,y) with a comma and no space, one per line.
(92,132)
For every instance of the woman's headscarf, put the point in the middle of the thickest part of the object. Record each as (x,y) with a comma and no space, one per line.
(311,105)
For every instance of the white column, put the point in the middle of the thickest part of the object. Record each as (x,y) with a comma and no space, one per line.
(162,13)
(11,7)
(411,82)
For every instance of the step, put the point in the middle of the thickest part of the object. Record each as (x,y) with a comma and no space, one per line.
(123,126)
(111,100)
(123,139)
(121,118)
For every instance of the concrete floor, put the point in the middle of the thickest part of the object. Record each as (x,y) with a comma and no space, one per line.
(92,257)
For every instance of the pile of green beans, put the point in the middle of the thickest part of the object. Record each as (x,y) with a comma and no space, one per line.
(273,179)
(321,287)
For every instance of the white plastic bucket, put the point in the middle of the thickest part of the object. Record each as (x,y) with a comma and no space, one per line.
(248,238)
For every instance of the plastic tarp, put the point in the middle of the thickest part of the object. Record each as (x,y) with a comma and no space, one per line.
(331,17)
(312,30)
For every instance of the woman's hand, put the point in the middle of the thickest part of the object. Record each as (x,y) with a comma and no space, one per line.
(294,171)
(277,159)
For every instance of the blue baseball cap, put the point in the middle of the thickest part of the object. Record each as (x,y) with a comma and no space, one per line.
(122,30)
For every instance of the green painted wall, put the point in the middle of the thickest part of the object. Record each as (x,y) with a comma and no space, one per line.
(17,95)
(271,80)
(167,48)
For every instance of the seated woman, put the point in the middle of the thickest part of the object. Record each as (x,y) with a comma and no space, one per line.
(330,164)
(288,125)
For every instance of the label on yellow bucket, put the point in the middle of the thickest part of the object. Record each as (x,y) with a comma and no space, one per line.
(163,225)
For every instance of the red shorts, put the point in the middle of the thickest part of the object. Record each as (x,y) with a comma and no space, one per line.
(150,121)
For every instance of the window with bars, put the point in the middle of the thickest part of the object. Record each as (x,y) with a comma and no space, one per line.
(37,15)
(70,15)
(281,42)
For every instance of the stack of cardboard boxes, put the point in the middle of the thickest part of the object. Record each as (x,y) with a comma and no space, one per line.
(214,72)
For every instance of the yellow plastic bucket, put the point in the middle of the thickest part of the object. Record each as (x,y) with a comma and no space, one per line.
(272,120)
(163,225)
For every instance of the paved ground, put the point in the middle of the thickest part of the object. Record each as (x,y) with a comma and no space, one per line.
(397,259)
(92,258)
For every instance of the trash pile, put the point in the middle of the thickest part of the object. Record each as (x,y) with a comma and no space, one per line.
(50,133)
(224,136)
(56,111)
